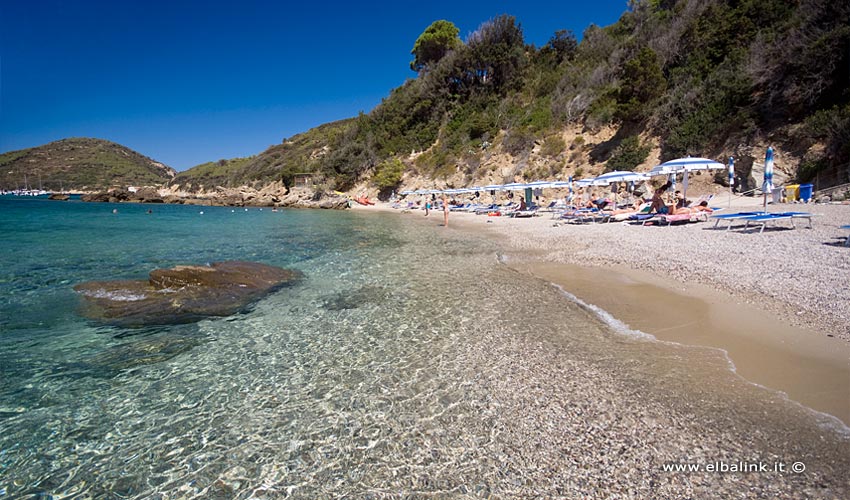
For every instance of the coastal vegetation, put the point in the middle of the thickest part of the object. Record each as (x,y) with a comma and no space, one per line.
(670,78)
(690,77)
(80,164)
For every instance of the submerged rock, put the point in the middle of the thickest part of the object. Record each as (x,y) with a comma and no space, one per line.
(352,299)
(182,294)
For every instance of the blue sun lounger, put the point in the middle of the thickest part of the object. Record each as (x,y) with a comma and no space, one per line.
(733,217)
(768,218)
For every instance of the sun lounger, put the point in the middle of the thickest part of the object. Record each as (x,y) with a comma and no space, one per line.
(733,217)
(487,209)
(523,213)
(667,219)
(584,215)
(764,220)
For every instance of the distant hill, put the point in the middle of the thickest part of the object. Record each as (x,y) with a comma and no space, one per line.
(80,164)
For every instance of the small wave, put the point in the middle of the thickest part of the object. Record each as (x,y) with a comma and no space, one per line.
(824,420)
(606,317)
(118,295)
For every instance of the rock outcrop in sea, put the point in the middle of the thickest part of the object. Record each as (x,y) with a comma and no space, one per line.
(182,294)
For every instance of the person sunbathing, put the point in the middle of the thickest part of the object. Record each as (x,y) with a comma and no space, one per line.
(638,207)
(702,207)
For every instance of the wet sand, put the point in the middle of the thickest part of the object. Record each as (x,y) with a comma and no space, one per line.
(698,301)
(811,369)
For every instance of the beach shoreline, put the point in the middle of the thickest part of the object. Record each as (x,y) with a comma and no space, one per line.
(767,322)
(792,269)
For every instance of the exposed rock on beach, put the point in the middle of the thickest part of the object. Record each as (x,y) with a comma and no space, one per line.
(183,293)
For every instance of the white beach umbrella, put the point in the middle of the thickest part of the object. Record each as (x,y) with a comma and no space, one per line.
(689,164)
(619,176)
(539,184)
(685,165)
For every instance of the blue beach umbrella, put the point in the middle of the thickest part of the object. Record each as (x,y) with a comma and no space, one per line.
(731,179)
(767,186)
(731,171)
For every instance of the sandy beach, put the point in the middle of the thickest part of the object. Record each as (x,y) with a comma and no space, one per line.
(777,302)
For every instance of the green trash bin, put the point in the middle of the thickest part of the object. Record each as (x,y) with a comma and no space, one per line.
(806,192)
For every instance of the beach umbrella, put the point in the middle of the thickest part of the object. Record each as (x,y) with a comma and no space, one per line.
(767,187)
(685,165)
(731,179)
(540,184)
(672,179)
(689,164)
(617,177)
(620,176)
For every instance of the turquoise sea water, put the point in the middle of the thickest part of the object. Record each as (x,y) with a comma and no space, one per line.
(399,366)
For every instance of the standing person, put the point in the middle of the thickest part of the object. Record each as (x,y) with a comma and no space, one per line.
(445,211)
(427,207)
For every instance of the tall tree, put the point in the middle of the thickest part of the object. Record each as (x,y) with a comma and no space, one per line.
(497,52)
(434,43)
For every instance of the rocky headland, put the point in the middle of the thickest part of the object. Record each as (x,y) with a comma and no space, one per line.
(272,195)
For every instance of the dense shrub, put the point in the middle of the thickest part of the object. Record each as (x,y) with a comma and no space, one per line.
(388,174)
(553,146)
(628,155)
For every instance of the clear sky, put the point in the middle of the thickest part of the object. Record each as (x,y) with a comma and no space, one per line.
(190,82)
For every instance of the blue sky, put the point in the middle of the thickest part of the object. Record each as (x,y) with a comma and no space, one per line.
(190,82)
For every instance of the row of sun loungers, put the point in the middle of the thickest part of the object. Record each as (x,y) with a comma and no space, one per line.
(594,215)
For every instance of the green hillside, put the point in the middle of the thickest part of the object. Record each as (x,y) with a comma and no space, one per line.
(80,164)
(689,77)
(303,153)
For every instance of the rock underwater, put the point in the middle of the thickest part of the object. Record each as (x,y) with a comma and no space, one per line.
(182,294)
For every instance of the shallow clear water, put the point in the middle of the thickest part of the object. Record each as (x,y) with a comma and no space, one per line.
(408,362)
